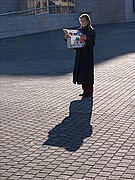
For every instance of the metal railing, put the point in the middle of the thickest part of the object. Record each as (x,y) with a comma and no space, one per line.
(43,10)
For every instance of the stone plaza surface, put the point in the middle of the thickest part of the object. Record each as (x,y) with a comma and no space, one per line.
(45,128)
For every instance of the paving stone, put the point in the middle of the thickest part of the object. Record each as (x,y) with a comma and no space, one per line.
(47,131)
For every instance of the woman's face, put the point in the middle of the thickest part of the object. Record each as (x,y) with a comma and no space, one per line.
(84,22)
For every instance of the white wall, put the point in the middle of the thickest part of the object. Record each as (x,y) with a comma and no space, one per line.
(107,11)
(103,11)
(20,25)
(129,14)
(8,5)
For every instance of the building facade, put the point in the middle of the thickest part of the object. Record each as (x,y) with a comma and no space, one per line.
(19,5)
(61,14)
(104,11)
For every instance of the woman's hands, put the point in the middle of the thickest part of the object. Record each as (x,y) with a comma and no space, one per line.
(66,36)
(83,38)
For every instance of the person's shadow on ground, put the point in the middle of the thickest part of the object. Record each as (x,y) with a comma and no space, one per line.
(71,132)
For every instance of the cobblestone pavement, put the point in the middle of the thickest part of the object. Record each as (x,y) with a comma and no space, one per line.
(45,129)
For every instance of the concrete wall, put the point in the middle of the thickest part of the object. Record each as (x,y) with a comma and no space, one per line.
(129,14)
(22,5)
(103,11)
(8,5)
(20,25)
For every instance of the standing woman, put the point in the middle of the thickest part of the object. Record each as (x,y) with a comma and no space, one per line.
(84,60)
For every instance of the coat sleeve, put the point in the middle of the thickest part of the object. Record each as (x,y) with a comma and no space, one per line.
(90,42)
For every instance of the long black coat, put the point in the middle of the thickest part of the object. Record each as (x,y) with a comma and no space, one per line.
(83,72)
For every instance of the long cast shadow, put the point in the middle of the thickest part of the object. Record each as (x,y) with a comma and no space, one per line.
(46,54)
(71,132)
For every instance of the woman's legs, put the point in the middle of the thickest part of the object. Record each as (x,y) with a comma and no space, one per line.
(87,90)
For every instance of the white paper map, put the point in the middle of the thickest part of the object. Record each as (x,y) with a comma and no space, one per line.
(74,40)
